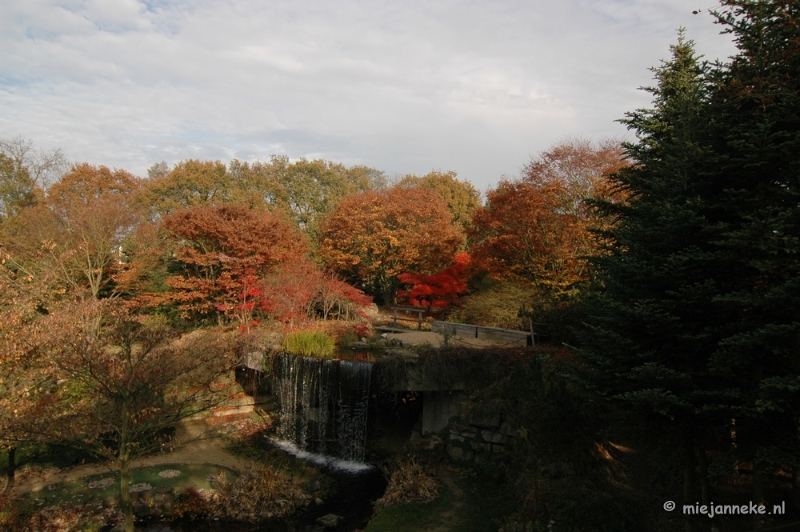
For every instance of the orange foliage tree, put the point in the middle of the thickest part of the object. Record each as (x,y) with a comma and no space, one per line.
(220,250)
(536,230)
(126,384)
(78,231)
(373,237)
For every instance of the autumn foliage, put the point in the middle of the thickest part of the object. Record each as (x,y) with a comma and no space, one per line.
(438,289)
(373,237)
(536,230)
(222,251)
(300,290)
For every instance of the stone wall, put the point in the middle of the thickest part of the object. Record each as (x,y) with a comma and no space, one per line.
(477,440)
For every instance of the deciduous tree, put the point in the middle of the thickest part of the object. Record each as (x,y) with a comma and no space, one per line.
(373,237)
(25,173)
(536,229)
(218,246)
(461,197)
(189,184)
(79,229)
(129,383)
(438,289)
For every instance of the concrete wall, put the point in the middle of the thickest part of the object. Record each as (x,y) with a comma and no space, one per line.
(495,334)
(438,408)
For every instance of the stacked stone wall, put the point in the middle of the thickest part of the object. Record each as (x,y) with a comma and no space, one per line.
(472,440)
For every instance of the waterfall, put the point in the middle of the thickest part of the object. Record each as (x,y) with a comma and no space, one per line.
(324,405)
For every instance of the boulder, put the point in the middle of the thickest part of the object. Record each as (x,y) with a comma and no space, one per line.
(358,345)
(406,354)
(329,520)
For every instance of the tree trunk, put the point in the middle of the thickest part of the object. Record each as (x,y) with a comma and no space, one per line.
(758,492)
(388,288)
(702,465)
(688,474)
(125,495)
(12,468)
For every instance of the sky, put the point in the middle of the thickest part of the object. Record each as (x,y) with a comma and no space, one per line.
(477,87)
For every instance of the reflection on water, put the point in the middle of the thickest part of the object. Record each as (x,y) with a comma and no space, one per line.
(344,353)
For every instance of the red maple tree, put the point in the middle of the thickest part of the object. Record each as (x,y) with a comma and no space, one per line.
(438,289)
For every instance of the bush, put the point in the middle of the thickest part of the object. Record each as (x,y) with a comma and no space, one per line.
(257,493)
(408,482)
(497,306)
(309,343)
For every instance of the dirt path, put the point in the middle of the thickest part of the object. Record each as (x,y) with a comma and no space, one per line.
(201,448)
(448,518)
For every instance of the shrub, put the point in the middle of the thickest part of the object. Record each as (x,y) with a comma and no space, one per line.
(408,482)
(309,343)
(257,493)
(498,306)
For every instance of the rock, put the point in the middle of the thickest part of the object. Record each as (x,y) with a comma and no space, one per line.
(110,502)
(318,501)
(505,429)
(359,345)
(311,486)
(329,520)
(480,446)
(254,360)
(459,453)
(456,437)
(485,422)
(406,354)
(372,312)
(432,443)
(492,437)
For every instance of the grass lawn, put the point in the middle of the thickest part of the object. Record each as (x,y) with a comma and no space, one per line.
(107,484)
(45,456)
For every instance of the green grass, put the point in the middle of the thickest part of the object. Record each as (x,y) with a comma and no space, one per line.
(78,492)
(45,456)
(309,343)
(474,511)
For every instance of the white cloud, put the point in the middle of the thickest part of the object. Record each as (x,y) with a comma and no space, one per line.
(470,86)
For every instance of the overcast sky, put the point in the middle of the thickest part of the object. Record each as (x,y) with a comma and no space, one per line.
(477,87)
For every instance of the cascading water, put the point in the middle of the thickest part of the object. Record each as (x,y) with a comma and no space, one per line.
(324,405)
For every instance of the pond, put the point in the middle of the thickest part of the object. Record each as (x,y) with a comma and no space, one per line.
(357,487)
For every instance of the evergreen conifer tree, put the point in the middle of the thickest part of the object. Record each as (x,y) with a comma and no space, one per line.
(756,116)
(696,316)
(653,322)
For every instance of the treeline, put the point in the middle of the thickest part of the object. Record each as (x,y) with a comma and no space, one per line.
(100,269)
(204,242)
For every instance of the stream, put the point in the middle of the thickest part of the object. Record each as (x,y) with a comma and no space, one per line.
(324,406)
